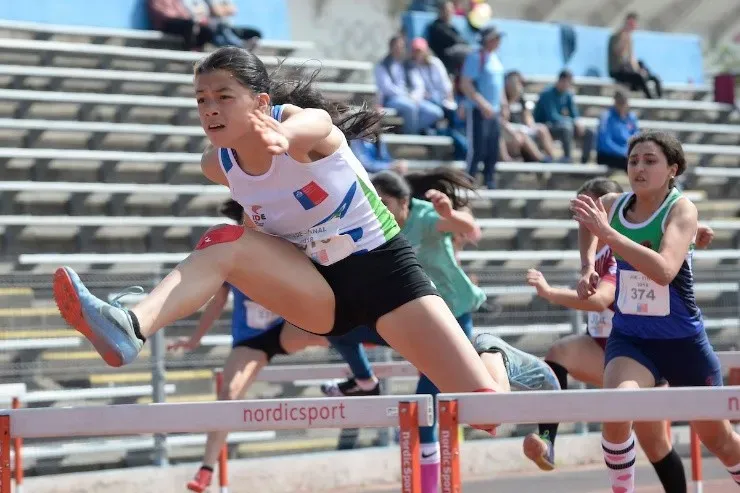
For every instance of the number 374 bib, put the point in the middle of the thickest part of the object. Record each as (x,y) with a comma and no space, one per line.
(638,295)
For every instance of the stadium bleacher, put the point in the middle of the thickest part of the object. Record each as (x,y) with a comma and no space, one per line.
(99,153)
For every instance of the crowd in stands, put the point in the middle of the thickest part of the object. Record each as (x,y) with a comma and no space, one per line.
(444,85)
(201,22)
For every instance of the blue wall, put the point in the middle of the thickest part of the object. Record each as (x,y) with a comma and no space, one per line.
(271,16)
(537,48)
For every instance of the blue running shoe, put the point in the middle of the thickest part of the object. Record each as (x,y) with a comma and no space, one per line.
(540,450)
(108,326)
(526,372)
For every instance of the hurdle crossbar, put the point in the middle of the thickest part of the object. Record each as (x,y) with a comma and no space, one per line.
(251,415)
(601,406)
(407,411)
(675,404)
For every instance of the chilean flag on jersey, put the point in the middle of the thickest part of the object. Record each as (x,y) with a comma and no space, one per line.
(310,195)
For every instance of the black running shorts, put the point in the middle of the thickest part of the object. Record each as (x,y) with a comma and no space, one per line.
(369,285)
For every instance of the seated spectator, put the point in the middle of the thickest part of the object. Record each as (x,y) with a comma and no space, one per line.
(401,88)
(557,109)
(173,17)
(624,67)
(220,33)
(192,21)
(616,126)
(222,11)
(375,157)
(445,41)
(520,130)
(437,83)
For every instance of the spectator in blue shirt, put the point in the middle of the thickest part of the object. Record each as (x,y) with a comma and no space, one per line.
(401,88)
(374,156)
(557,109)
(482,82)
(616,127)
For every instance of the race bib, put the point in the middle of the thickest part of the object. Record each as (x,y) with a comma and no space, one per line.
(639,295)
(259,317)
(600,323)
(326,246)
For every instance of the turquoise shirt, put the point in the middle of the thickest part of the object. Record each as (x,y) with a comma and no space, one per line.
(437,256)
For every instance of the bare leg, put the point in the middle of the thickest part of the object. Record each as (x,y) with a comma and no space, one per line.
(721,440)
(423,330)
(293,339)
(241,368)
(529,146)
(624,373)
(269,270)
(618,442)
(581,356)
(545,138)
(263,267)
(653,438)
(494,363)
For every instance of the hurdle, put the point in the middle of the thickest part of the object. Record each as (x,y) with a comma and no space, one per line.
(675,404)
(406,411)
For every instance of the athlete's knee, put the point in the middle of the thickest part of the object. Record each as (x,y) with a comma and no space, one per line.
(221,233)
(230,392)
(558,353)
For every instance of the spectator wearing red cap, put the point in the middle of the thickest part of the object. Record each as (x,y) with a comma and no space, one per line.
(437,83)
(401,87)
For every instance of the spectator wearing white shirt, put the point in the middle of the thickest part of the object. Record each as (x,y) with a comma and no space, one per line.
(437,83)
(402,89)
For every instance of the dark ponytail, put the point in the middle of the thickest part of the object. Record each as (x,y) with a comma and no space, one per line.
(452,182)
(233,210)
(249,70)
(598,187)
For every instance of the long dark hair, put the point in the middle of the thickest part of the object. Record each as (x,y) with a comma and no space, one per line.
(233,210)
(600,186)
(454,183)
(251,73)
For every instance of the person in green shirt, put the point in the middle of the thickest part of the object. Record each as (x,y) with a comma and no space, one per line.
(429,208)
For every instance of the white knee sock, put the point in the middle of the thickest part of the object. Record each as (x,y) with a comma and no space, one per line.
(620,459)
(735,472)
(430,467)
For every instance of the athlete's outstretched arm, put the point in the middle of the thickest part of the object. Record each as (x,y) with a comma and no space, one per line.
(305,128)
(587,243)
(213,310)
(661,266)
(597,302)
(211,168)
(451,220)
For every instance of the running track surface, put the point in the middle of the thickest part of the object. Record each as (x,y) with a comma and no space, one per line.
(586,479)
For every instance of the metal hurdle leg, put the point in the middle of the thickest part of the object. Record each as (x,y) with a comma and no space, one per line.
(223,456)
(408,420)
(449,446)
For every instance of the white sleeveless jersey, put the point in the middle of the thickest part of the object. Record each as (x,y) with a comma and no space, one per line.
(328,208)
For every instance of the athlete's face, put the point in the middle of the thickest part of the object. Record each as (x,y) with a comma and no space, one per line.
(398,207)
(648,169)
(223,106)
